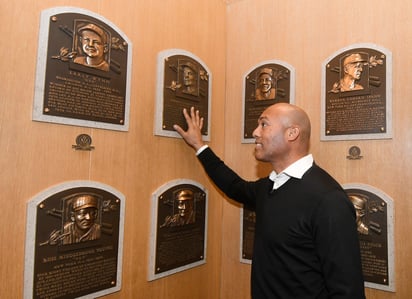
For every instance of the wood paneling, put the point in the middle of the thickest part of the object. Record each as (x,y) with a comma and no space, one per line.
(230,37)
(37,155)
(304,34)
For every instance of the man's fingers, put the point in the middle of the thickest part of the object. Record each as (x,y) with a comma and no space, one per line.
(178,129)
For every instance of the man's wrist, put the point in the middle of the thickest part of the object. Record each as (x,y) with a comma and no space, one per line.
(201,149)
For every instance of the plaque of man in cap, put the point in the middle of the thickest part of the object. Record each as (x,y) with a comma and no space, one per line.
(352,70)
(83,226)
(189,78)
(360,207)
(266,89)
(94,43)
(185,211)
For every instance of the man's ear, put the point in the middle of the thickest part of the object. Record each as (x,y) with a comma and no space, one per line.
(293,133)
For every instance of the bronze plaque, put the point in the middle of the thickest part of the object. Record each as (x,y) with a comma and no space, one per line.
(183,82)
(76,241)
(265,85)
(180,229)
(248,223)
(356,95)
(375,229)
(83,71)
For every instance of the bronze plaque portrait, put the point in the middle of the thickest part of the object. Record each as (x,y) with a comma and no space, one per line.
(179,227)
(356,95)
(267,84)
(83,71)
(374,218)
(183,82)
(75,243)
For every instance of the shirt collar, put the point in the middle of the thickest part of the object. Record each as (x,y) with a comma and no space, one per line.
(296,169)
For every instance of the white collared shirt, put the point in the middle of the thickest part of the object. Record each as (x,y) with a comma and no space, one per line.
(295,170)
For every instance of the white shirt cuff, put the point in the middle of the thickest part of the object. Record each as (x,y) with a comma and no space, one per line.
(201,149)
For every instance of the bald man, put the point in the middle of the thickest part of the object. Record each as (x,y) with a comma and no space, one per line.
(306,241)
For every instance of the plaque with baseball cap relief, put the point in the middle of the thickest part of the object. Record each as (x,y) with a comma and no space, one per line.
(356,94)
(83,70)
(74,241)
(375,224)
(179,228)
(183,81)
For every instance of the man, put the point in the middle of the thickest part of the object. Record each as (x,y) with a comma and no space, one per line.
(306,244)
(83,226)
(94,44)
(266,89)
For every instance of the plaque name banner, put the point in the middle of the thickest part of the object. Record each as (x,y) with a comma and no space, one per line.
(179,228)
(183,81)
(83,70)
(74,241)
(375,218)
(265,84)
(356,94)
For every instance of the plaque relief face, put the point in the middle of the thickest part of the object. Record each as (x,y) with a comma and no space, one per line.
(356,95)
(83,71)
(183,82)
(77,234)
(179,228)
(265,85)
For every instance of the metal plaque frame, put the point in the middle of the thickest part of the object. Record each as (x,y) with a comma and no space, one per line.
(177,242)
(172,93)
(282,89)
(375,221)
(53,249)
(71,87)
(357,94)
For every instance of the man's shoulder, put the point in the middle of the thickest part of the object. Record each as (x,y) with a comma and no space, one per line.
(319,177)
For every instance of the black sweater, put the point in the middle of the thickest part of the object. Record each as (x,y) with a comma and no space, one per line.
(306,242)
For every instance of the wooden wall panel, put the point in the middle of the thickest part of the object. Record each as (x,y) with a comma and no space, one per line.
(304,34)
(37,155)
(230,37)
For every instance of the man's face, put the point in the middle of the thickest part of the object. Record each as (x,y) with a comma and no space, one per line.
(85,218)
(265,83)
(270,136)
(188,76)
(182,208)
(360,212)
(92,44)
(354,70)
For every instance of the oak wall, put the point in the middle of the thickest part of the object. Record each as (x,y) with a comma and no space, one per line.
(39,155)
(304,34)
